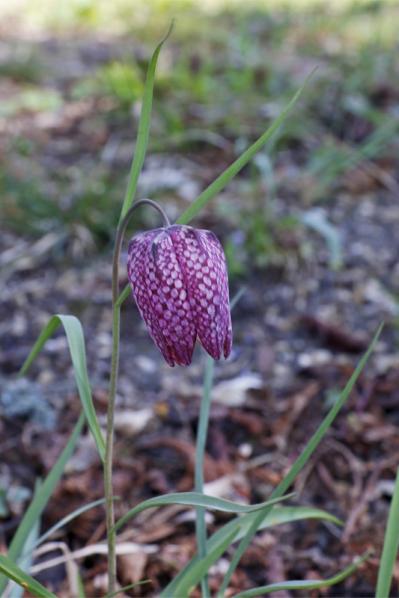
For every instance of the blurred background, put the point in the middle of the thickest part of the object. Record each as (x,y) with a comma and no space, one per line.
(309,228)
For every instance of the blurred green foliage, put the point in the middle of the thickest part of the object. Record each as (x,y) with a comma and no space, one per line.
(228,69)
(118,80)
(28,209)
(31,99)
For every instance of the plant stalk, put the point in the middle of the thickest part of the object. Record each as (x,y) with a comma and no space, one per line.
(109,441)
(202,432)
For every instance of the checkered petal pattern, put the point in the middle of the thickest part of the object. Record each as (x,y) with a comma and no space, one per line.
(179,281)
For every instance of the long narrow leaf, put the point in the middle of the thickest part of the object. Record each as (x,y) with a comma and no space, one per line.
(40,500)
(81,588)
(391,545)
(65,520)
(143,130)
(200,568)
(304,584)
(129,587)
(316,220)
(201,531)
(241,525)
(195,499)
(234,168)
(302,459)
(25,561)
(277,516)
(11,571)
(74,333)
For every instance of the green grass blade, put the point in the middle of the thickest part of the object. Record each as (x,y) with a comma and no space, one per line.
(143,130)
(302,459)
(81,588)
(234,301)
(316,220)
(305,584)
(25,560)
(74,333)
(234,168)
(11,571)
(277,516)
(200,524)
(129,587)
(391,545)
(200,568)
(41,499)
(195,499)
(65,520)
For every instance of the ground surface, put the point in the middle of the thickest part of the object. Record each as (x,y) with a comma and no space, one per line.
(310,232)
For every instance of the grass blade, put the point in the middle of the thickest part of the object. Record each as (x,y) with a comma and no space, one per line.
(41,499)
(304,584)
(11,571)
(195,499)
(81,588)
(316,220)
(199,569)
(25,560)
(74,333)
(143,130)
(129,587)
(391,544)
(277,516)
(302,459)
(234,168)
(202,431)
(65,520)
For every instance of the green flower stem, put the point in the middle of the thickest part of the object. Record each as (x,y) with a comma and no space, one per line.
(109,442)
(199,465)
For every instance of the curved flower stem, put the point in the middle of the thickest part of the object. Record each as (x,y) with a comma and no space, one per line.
(199,464)
(116,307)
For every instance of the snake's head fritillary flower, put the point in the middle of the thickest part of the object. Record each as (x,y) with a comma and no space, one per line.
(179,280)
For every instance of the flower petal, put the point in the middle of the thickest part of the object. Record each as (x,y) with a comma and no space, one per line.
(141,276)
(170,302)
(228,341)
(203,265)
(220,287)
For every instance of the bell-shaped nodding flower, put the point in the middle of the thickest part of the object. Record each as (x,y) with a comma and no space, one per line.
(179,280)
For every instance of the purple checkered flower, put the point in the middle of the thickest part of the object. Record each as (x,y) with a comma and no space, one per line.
(179,280)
